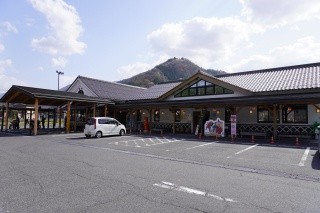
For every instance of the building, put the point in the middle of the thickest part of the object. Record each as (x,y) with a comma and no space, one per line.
(278,102)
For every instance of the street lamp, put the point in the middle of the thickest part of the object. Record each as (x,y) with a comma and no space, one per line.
(59,73)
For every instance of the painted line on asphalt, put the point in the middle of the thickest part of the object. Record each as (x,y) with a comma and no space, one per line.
(198,146)
(246,149)
(171,186)
(304,157)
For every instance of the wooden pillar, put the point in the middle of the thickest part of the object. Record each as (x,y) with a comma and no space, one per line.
(6,118)
(2,120)
(150,121)
(60,115)
(275,125)
(86,116)
(174,121)
(25,119)
(94,110)
(68,118)
(105,110)
(75,117)
(54,118)
(36,112)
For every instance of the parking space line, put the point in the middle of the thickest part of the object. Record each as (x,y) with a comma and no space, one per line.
(171,186)
(198,146)
(304,157)
(246,149)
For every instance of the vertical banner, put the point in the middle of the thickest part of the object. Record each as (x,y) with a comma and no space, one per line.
(233,121)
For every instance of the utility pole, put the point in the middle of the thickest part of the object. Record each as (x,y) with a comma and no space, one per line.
(59,73)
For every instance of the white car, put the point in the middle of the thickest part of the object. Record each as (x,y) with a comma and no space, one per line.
(102,126)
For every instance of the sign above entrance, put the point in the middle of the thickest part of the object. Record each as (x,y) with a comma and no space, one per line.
(214,128)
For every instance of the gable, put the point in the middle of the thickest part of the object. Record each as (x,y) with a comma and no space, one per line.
(203,86)
(78,86)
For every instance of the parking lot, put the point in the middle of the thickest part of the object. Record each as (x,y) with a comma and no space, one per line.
(281,159)
(140,173)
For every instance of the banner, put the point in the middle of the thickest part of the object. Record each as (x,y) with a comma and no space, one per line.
(214,128)
(233,121)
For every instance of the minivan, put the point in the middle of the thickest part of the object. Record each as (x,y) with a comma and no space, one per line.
(102,126)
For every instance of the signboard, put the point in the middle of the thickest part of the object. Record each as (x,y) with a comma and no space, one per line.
(214,128)
(233,121)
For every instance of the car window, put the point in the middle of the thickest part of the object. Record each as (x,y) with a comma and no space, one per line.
(113,122)
(102,121)
(90,121)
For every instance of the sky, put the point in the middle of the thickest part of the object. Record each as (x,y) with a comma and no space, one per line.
(116,39)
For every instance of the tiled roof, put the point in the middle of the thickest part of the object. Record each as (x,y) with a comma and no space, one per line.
(306,76)
(155,91)
(111,90)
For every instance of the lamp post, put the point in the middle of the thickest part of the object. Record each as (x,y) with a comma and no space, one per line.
(59,73)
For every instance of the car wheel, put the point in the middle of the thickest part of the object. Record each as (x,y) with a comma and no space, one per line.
(99,134)
(121,132)
(88,136)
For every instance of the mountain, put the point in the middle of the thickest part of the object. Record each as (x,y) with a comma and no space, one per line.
(173,69)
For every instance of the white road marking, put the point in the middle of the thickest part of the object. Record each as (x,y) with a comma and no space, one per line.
(304,157)
(167,185)
(246,149)
(137,145)
(199,146)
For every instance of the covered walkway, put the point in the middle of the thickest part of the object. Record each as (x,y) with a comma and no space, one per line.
(48,101)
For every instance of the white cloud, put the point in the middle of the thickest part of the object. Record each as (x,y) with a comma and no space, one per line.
(280,12)
(9,27)
(59,62)
(2,48)
(203,40)
(6,82)
(304,50)
(4,64)
(65,28)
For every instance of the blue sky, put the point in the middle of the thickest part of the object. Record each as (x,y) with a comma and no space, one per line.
(113,40)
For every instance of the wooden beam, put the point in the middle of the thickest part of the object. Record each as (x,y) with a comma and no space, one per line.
(36,113)
(174,121)
(68,118)
(2,120)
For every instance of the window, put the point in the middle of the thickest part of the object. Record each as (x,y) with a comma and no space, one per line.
(80,91)
(265,114)
(177,116)
(295,114)
(202,88)
(156,115)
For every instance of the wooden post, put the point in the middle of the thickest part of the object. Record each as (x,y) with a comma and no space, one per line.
(25,119)
(68,118)
(150,122)
(59,114)
(86,113)
(105,110)
(6,118)
(2,120)
(94,110)
(36,112)
(174,121)
(275,126)
(75,117)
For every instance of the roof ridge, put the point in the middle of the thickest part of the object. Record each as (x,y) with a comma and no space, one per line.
(111,82)
(282,68)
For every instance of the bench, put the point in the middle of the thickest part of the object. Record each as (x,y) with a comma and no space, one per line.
(157,130)
(262,134)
